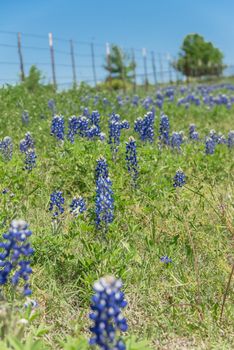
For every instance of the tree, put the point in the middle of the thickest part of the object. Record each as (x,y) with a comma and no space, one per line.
(32,81)
(199,58)
(119,65)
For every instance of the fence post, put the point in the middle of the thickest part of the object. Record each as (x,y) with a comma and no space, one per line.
(176,71)
(134,70)
(52,59)
(161,67)
(93,65)
(145,68)
(154,68)
(22,75)
(123,70)
(73,63)
(109,64)
(169,68)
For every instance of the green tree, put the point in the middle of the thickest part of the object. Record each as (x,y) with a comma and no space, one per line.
(32,81)
(119,65)
(199,58)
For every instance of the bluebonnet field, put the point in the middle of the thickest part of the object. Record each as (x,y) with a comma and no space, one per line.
(116,219)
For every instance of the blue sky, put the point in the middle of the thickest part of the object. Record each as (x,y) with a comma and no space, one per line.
(156,25)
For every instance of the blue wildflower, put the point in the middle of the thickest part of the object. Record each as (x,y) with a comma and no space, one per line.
(230,140)
(104,196)
(92,132)
(102,136)
(193,134)
(27,143)
(77,206)
(166,259)
(73,128)
(13,266)
(57,127)
(131,159)
(176,140)
(145,127)
(179,179)
(164,129)
(27,147)
(25,117)
(107,304)
(6,148)
(51,106)
(209,145)
(115,127)
(31,303)
(95,120)
(56,203)
(30,159)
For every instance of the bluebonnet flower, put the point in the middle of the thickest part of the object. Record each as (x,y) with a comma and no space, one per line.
(214,136)
(108,321)
(145,127)
(51,106)
(102,136)
(77,206)
(57,127)
(95,120)
(73,128)
(27,147)
(166,259)
(209,145)
(27,143)
(135,100)
(176,140)
(230,140)
(30,159)
(131,159)
(179,179)
(115,127)
(193,134)
(86,112)
(104,196)
(25,117)
(164,129)
(84,124)
(31,303)
(13,265)
(6,148)
(56,203)
(221,139)
(192,129)
(92,132)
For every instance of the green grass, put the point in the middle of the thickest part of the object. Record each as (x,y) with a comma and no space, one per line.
(175,306)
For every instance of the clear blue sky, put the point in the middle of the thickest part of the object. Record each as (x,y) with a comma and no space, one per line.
(156,25)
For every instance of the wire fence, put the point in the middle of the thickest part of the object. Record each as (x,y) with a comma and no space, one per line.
(64,62)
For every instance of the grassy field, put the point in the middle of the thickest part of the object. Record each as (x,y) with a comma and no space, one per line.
(172,306)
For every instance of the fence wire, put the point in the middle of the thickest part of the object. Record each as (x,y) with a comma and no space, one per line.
(64,62)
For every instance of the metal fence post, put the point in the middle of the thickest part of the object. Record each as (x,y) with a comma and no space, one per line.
(145,68)
(154,68)
(22,75)
(109,64)
(93,64)
(134,70)
(52,59)
(73,63)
